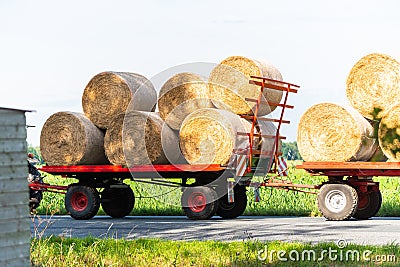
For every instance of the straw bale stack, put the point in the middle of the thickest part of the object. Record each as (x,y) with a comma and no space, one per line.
(329,132)
(140,138)
(373,84)
(181,95)
(229,85)
(389,133)
(69,138)
(109,93)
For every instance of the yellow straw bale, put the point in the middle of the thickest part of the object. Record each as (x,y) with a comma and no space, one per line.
(229,85)
(140,138)
(110,93)
(329,132)
(70,138)
(181,95)
(373,85)
(208,136)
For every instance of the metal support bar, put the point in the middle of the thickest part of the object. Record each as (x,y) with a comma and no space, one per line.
(46,187)
(170,184)
(286,185)
(55,191)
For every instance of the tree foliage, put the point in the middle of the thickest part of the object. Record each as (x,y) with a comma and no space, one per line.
(290,151)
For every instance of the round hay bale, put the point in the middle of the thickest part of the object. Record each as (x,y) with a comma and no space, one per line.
(110,93)
(70,138)
(229,85)
(373,84)
(140,138)
(208,136)
(329,132)
(389,133)
(182,94)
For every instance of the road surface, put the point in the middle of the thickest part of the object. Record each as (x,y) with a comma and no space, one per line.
(306,229)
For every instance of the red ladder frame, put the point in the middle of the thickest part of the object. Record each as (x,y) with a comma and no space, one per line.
(266,83)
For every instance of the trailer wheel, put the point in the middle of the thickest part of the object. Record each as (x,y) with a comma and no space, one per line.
(117,202)
(337,202)
(82,202)
(228,210)
(199,203)
(368,205)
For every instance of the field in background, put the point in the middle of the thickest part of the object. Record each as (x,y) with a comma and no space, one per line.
(157,200)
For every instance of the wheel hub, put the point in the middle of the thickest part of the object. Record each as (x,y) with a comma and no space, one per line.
(79,201)
(197,201)
(335,201)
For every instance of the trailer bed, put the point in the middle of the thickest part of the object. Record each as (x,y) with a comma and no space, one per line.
(142,171)
(360,169)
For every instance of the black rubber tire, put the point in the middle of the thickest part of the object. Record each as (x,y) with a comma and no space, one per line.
(371,208)
(82,202)
(199,203)
(337,202)
(233,210)
(117,202)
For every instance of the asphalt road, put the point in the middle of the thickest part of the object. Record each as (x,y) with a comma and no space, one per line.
(307,229)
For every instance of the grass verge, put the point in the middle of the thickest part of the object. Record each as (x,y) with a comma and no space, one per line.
(54,251)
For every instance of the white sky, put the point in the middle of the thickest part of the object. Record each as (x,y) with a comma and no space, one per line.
(49,50)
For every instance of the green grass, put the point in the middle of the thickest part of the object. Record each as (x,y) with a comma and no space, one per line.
(55,251)
(273,201)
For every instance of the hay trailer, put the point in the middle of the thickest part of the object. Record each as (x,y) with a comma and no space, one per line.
(216,189)
(350,190)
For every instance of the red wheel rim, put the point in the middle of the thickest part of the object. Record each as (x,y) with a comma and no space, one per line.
(79,201)
(197,201)
(362,200)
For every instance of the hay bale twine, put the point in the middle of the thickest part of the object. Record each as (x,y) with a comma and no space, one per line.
(373,84)
(389,133)
(208,136)
(182,94)
(329,132)
(140,138)
(70,138)
(229,85)
(110,93)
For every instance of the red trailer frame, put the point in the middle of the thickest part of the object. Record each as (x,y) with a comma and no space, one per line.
(359,169)
(199,199)
(143,171)
(350,182)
